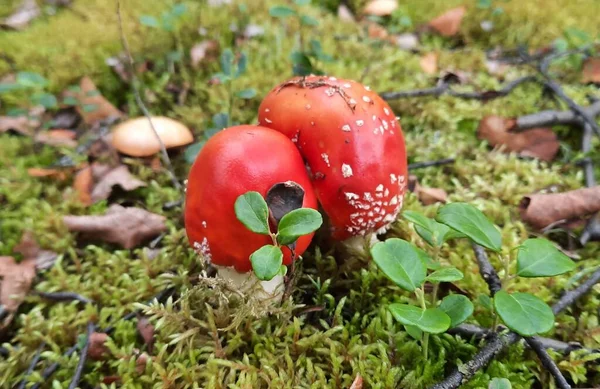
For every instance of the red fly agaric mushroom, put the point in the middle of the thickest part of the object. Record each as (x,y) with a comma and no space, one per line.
(353,145)
(233,162)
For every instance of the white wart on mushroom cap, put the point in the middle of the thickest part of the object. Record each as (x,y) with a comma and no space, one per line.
(136,138)
(353,145)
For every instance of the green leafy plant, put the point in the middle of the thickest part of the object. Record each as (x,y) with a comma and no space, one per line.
(233,67)
(252,210)
(305,58)
(33,86)
(408,267)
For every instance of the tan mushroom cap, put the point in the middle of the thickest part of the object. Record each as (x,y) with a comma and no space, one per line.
(381,7)
(136,138)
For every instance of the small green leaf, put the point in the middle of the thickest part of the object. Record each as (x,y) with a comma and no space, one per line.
(220,120)
(447,274)
(540,258)
(283,270)
(400,262)
(302,65)
(246,94)
(191,152)
(430,230)
(472,222)
(433,320)
(178,9)
(458,307)
(227,58)
(266,262)
(89,107)
(308,20)
(500,383)
(294,224)
(302,2)
(46,100)
(251,209)
(414,331)
(484,4)
(149,21)
(281,11)
(524,313)
(30,79)
(70,100)
(242,65)
(429,263)
(9,87)
(174,56)
(485,301)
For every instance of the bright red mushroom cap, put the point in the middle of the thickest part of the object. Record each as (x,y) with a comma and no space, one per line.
(234,161)
(352,143)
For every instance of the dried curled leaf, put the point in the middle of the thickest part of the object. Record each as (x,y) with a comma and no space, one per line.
(98,349)
(426,196)
(58,137)
(591,71)
(96,182)
(541,210)
(19,124)
(15,282)
(539,143)
(448,23)
(127,227)
(357,383)
(92,106)
(429,63)
(146,331)
(29,248)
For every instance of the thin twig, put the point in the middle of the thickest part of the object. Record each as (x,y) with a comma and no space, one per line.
(82,357)
(592,227)
(500,342)
(50,370)
(486,270)
(64,296)
(420,165)
(34,362)
(551,118)
(445,88)
(547,362)
(142,106)
(290,276)
(473,331)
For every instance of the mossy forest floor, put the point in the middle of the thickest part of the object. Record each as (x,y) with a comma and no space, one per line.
(206,337)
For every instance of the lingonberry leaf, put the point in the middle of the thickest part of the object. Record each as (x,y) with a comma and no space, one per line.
(432,320)
(400,262)
(281,11)
(470,221)
(296,223)
(524,313)
(266,262)
(500,383)
(447,274)
(540,258)
(251,209)
(458,307)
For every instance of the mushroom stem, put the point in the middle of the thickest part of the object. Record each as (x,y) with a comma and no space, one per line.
(360,245)
(246,282)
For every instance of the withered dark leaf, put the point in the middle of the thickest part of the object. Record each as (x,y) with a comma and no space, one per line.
(29,248)
(541,210)
(357,383)
(127,227)
(448,23)
(57,137)
(92,106)
(539,143)
(107,178)
(591,71)
(98,350)
(19,124)
(15,281)
(146,331)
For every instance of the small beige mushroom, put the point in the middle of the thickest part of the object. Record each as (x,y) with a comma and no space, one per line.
(381,7)
(136,138)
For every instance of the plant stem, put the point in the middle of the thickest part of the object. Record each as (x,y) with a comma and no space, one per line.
(425,344)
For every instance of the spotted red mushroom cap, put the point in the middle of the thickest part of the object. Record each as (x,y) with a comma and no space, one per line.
(234,161)
(352,143)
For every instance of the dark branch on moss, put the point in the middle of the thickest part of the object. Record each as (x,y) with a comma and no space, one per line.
(82,357)
(552,118)
(486,270)
(444,88)
(421,165)
(472,331)
(64,296)
(569,298)
(50,370)
(34,362)
(547,362)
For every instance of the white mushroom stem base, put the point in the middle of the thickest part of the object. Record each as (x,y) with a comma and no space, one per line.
(248,283)
(360,245)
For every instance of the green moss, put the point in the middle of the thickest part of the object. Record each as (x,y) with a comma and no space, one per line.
(208,336)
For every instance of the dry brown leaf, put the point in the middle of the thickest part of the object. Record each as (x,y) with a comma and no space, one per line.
(57,137)
(140,363)
(426,195)
(376,31)
(380,7)
(429,63)
(204,51)
(127,227)
(93,107)
(58,174)
(344,14)
(98,350)
(15,282)
(540,143)
(83,184)
(357,383)
(146,331)
(27,11)
(29,248)
(19,124)
(107,178)
(448,23)
(591,70)
(541,210)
